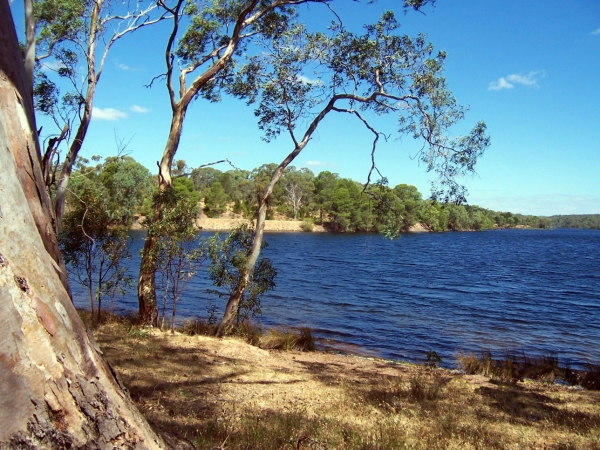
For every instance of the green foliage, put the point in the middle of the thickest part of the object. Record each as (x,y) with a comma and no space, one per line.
(298,188)
(363,75)
(178,254)
(345,205)
(215,201)
(589,221)
(127,185)
(307,225)
(93,246)
(184,187)
(228,258)
(204,177)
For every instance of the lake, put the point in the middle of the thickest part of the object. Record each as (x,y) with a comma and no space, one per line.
(536,291)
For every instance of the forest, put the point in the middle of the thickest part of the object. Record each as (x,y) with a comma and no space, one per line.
(126,189)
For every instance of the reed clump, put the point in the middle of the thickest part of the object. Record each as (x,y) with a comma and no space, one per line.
(289,339)
(513,366)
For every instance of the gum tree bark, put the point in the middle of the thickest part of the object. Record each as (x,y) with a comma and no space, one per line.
(55,389)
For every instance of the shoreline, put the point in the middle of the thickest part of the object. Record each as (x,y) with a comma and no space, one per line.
(226,224)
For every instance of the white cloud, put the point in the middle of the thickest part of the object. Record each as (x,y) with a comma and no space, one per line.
(595,31)
(500,84)
(139,109)
(125,67)
(110,114)
(509,82)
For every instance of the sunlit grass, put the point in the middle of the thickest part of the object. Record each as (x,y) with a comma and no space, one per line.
(225,394)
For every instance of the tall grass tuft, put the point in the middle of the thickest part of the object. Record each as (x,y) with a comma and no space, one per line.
(194,327)
(289,339)
(248,330)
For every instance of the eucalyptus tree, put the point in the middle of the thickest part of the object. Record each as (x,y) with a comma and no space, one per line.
(74,38)
(56,391)
(298,187)
(94,247)
(218,33)
(363,76)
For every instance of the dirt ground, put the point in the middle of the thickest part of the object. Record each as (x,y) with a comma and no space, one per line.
(225,394)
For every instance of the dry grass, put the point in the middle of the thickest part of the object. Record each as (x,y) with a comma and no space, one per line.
(224,393)
(288,339)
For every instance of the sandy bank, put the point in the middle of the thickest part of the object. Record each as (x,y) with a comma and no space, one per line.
(229,223)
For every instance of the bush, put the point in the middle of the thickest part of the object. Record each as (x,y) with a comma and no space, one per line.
(307,225)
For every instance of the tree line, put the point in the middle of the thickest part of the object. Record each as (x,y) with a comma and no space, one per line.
(340,204)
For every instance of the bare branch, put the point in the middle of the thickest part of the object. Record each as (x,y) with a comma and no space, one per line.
(157,77)
(374,145)
(207,165)
(169,50)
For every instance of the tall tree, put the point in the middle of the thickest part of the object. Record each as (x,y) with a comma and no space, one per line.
(55,389)
(76,35)
(298,187)
(218,34)
(378,72)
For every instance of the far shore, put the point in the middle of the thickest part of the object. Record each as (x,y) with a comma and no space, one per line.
(231,221)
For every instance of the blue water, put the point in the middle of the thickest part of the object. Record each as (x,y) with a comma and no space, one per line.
(524,290)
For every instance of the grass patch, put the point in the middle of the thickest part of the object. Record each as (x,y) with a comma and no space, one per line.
(307,225)
(223,393)
(197,327)
(289,339)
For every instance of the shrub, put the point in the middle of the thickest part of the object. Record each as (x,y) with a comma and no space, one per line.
(307,225)
(469,363)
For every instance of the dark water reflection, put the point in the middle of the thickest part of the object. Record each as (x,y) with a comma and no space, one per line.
(536,291)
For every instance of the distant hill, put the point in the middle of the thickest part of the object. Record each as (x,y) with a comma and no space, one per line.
(587,221)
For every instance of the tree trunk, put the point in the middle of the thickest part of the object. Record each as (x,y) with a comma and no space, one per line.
(233,303)
(55,389)
(236,296)
(82,129)
(148,306)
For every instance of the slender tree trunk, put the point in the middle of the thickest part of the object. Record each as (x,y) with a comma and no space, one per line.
(55,389)
(92,82)
(148,306)
(29,44)
(235,298)
(69,162)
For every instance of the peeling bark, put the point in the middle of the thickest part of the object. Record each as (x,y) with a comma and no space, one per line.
(55,389)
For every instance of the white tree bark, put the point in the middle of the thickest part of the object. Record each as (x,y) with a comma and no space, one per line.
(55,389)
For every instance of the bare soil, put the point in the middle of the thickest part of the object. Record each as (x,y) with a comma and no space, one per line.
(213,393)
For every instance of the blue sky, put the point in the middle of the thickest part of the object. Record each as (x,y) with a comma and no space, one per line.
(529,69)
